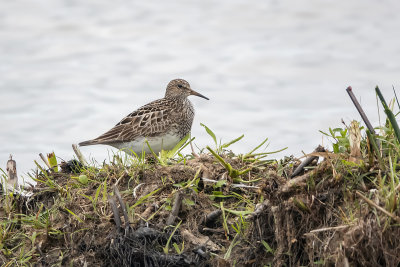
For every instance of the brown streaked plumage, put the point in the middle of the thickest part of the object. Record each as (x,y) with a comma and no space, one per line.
(163,122)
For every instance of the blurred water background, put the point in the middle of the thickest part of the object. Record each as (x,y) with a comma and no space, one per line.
(70,69)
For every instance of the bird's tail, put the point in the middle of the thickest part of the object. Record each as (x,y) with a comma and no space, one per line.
(88,143)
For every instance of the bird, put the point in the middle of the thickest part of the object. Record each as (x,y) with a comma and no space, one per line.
(162,123)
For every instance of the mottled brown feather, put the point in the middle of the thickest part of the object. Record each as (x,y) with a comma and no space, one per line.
(174,113)
(149,120)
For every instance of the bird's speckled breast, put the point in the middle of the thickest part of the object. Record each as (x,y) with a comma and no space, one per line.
(186,119)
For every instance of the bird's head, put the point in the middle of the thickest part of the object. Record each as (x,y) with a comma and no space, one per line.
(180,88)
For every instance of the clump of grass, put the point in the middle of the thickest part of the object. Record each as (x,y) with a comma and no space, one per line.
(214,208)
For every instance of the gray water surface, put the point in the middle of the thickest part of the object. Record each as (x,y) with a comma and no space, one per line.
(70,70)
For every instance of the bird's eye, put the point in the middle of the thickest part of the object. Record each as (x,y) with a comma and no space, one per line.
(180,85)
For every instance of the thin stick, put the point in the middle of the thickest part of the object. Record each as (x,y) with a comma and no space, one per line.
(135,189)
(122,204)
(78,153)
(371,203)
(360,110)
(193,152)
(114,208)
(327,229)
(45,161)
(244,186)
(175,209)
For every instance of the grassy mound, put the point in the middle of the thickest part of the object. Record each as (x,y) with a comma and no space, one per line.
(214,209)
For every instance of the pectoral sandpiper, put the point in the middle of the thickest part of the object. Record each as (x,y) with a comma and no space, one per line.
(163,123)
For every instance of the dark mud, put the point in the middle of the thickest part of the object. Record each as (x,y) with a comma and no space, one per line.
(194,214)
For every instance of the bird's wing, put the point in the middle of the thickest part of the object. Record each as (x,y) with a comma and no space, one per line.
(149,120)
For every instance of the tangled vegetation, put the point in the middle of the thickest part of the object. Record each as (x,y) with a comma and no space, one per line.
(214,207)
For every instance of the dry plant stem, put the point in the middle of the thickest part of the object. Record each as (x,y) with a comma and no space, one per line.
(371,203)
(280,235)
(260,208)
(193,152)
(206,180)
(136,188)
(362,114)
(328,229)
(79,155)
(307,161)
(122,204)
(148,211)
(360,110)
(200,241)
(114,208)
(175,209)
(119,179)
(12,172)
(45,161)
(245,186)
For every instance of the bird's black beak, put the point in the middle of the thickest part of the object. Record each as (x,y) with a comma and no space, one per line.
(193,92)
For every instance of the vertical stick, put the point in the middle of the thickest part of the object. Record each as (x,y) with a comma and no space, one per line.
(78,153)
(362,114)
(45,161)
(360,110)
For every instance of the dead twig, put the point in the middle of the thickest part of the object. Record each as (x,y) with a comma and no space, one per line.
(193,152)
(328,229)
(200,241)
(260,208)
(122,204)
(136,188)
(114,208)
(280,235)
(175,209)
(148,211)
(371,203)
(79,155)
(361,111)
(45,161)
(245,186)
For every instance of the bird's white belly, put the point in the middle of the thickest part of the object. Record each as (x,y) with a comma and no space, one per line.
(165,142)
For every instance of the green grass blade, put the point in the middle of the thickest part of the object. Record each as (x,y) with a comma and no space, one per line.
(257,147)
(375,147)
(395,96)
(51,157)
(393,121)
(233,141)
(180,146)
(231,246)
(154,154)
(73,214)
(211,133)
(224,222)
(381,98)
(166,248)
(267,247)
(140,200)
